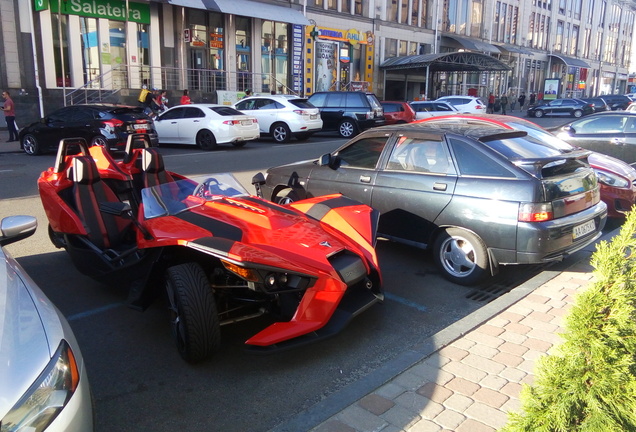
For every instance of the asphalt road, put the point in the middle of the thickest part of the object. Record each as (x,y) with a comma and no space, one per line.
(140,383)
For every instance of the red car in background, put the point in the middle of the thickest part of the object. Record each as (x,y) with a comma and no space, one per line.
(617,178)
(397,112)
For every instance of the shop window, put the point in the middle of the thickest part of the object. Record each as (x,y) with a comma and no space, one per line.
(275,56)
(90,49)
(59,24)
(243,37)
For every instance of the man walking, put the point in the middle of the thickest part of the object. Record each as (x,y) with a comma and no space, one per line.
(522,101)
(9,115)
(504,103)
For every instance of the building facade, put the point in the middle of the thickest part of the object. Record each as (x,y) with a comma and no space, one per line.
(57,52)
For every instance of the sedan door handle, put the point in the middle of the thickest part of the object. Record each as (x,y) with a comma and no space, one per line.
(618,141)
(365,179)
(440,186)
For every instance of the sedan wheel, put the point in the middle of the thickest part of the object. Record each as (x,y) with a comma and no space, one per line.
(538,113)
(206,140)
(286,196)
(31,145)
(281,132)
(99,140)
(461,256)
(347,129)
(577,113)
(193,313)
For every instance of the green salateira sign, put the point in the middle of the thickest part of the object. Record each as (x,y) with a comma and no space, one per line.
(109,9)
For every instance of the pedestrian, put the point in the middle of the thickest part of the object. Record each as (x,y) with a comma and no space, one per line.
(150,103)
(248,93)
(522,101)
(513,102)
(490,109)
(533,99)
(9,116)
(503,101)
(162,101)
(185,99)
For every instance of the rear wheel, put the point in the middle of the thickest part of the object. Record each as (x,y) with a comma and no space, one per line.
(347,128)
(193,313)
(538,113)
(461,256)
(31,145)
(99,140)
(280,132)
(577,113)
(205,140)
(286,196)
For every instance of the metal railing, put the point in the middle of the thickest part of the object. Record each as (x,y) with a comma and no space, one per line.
(106,85)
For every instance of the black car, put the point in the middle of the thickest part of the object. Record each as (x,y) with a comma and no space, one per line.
(561,107)
(102,124)
(478,196)
(598,103)
(612,133)
(616,102)
(348,112)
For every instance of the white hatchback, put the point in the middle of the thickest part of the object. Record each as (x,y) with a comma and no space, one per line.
(427,109)
(282,116)
(206,125)
(465,104)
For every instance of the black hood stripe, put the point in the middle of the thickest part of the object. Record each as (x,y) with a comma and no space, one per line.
(216,227)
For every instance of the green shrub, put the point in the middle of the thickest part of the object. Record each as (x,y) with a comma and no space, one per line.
(588,383)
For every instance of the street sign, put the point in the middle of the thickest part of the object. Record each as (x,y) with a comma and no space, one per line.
(187,36)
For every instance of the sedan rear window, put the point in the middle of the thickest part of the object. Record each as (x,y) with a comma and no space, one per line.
(226,111)
(527,147)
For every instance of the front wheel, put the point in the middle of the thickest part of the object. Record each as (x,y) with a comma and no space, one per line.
(286,196)
(31,145)
(205,140)
(99,140)
(193,313)
(461,256)
(577,113)
(347,129)
(538,113)
(281,132)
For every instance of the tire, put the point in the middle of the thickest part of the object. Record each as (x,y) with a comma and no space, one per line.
(31,145)
(280,132)
(347,128)
(461,256)
(193,313)
(286,196)
(205,140)
(99,140)
(577,113)
(538,113)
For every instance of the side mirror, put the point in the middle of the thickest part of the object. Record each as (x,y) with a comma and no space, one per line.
(14,228)
(328,160)
(569,129)
(258,181)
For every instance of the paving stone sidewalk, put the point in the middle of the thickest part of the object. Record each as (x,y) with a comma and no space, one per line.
(472,383)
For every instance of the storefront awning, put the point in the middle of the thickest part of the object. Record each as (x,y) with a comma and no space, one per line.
(255,9)
(569,61)
(515,49)
(449,62)
(473,44)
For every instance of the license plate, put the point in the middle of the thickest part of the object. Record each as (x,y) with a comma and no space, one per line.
(140,126)
(313,116)
(246,122)
(583,229)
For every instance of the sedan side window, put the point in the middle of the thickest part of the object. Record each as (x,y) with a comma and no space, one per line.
(363,153)
(604,124)
(193,113)
(175,113)
(420,155)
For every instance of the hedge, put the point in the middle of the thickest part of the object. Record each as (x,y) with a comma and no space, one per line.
(588,382)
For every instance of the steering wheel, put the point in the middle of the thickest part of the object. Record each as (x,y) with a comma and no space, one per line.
(203,189)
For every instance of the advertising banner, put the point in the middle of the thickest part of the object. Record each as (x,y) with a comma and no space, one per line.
(551,89)
(326,65)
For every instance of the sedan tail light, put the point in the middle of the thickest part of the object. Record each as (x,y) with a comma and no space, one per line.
(301,112)
(113,123)
(535,212)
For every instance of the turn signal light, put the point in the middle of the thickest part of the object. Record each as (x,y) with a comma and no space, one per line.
(535,212)
(245,273)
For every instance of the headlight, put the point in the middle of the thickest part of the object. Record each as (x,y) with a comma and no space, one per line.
(48,395)
(611,179)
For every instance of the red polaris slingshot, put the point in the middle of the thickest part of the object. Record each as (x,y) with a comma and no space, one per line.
(221,254)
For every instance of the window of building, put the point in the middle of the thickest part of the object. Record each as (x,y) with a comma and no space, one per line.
(497,17)
(462,18)
(274,55)
(59,24)
(562,5)
(404,11)
(332,5)
(345,6)
(424,14)
(415,11)
(243,35)
(361,8)
(392,11)
(577,9)
(574,41)
(476,19)
(90,49)
(514,25)
(390,48)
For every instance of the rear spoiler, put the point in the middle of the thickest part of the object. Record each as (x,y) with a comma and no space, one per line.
(535,166)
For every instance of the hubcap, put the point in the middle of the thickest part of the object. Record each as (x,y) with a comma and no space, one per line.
(458,256)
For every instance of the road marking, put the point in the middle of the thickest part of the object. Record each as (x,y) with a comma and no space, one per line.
(95,311)
(405,302)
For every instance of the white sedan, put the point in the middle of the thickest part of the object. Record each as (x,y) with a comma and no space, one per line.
(427,109)
(206,125)
(43,381)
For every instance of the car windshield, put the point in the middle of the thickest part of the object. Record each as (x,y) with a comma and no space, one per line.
(175,197)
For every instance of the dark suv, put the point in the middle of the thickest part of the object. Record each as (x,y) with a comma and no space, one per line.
(348,112)
(616,102)
(102,124)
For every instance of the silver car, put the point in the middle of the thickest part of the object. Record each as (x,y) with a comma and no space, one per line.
(43,381)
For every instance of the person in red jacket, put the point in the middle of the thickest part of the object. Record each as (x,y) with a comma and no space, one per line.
(185,99)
